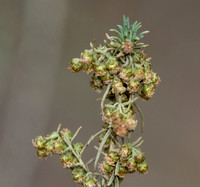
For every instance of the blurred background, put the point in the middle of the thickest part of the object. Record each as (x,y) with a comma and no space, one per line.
(38,38)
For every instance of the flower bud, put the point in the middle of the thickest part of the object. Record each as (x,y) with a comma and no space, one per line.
(88,68)
(123,162)
(107,168)
(139,73)
(125,74)
(107,78)
(139,156)
(75,65)
(78,175)
(148,77)
(112,65)
(107,114)
(87,56)
(130,123)
(49,147)
(118,86)
(122,171)
(116,118)
(125,150)
(39,142)
(121,130)
(68,160)
(148,90)
(111,158)
(100,69)
(156,79)
(59,146)
(131,165)
(89,181)
(142,167)
(127,47)
(41,153)
(133,86)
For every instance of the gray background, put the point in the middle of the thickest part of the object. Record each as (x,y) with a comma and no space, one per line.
(38,38)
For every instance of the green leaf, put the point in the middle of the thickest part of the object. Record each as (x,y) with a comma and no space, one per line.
(116,31)
(135,28)
(128,24)
(122,31)
(102,181)
(116,182)
(136,141)
(101,146)
(117,168)
(132,30)
(124,20)
(111,179)
(126,27)
(141,35)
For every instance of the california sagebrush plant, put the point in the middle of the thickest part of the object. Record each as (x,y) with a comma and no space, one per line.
(122,67)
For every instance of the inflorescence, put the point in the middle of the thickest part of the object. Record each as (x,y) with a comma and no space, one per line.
(122,66)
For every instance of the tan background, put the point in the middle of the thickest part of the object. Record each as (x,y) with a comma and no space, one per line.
(37,40)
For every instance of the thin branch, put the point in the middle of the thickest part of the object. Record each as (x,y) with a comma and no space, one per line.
(97,148)
(104,97)
(139,143)
(76,133)
(58,129)
(101,146)
(136,141)
(91,139)
(129,137)
(90,161)
(141,116)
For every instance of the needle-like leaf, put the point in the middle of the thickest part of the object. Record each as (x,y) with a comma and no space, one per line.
(101,146)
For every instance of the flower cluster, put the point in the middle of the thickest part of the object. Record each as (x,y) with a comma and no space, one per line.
(51,144)
(125,160)
(123,67)
(121,61)
(54,143)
